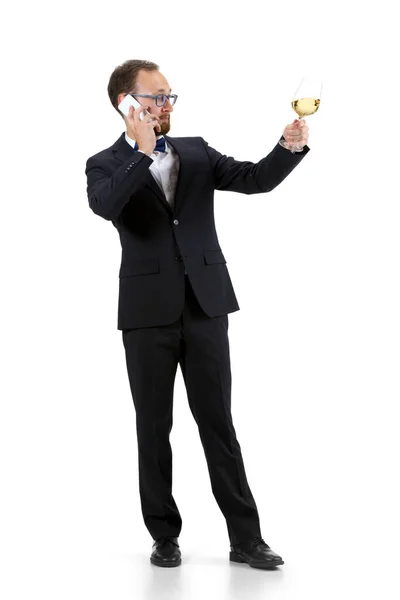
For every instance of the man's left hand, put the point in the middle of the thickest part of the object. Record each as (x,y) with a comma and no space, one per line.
(296,133)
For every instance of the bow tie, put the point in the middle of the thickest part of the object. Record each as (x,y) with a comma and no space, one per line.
(160,146)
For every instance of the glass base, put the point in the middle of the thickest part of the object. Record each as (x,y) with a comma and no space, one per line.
(292,147)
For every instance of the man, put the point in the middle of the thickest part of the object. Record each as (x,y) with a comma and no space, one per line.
(175,294)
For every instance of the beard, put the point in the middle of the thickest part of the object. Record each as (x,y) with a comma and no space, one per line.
(165,127)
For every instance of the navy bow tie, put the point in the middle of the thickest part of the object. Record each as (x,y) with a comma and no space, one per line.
(160,146)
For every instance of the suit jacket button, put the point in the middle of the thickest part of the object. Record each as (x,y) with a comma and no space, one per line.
(179,258)
(176,222)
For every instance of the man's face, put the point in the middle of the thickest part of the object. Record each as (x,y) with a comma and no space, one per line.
(153,82)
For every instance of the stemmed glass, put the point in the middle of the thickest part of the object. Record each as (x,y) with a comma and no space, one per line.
(305,102)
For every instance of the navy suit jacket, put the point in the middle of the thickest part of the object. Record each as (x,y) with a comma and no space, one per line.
(158,242)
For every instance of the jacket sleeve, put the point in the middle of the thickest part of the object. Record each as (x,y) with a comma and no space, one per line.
(253,178)
(109,192)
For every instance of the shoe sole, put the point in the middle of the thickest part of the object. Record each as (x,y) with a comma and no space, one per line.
(256,565)
(174,563)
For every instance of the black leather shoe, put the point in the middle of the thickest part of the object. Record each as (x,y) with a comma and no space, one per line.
(256,553)
(166,552)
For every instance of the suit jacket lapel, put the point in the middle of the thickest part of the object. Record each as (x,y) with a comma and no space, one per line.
(186,154)
(152,184)
(123,152)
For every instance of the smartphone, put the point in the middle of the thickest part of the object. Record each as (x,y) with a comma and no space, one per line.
(130,101)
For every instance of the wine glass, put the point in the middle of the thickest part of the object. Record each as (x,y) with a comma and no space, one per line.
(306,101)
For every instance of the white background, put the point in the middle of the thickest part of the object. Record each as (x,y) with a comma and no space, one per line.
(315,266)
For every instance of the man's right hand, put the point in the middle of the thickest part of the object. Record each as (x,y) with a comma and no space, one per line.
(143,130)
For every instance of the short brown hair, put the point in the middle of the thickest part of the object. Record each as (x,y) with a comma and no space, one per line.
(123,78)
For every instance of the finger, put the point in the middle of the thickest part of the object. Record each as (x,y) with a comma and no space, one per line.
(131,112)
(301,130)
(154,124)
(138,111)
(296,140)
(301,134)
(150,117)
(295,135)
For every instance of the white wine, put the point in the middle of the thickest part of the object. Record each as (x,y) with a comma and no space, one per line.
(306,106)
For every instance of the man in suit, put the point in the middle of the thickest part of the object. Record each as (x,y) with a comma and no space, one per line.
(175,294)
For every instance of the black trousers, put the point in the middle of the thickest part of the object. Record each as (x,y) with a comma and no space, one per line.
(200,345)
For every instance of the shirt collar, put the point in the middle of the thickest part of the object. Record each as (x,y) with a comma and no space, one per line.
(133,142)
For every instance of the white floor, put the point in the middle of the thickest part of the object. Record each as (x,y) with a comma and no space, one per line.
(72,527)
(311,572)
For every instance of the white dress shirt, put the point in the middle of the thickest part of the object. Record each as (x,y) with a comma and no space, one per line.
(164,168)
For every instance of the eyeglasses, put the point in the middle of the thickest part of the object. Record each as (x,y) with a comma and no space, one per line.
(160,98)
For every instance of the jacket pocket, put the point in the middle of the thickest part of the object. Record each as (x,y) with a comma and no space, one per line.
(139,267)
(214,256)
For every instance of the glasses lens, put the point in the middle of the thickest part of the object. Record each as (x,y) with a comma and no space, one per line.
(162,98)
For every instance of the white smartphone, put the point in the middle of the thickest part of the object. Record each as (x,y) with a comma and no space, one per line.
(130,101)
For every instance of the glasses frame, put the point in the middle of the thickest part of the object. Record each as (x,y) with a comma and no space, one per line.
(155,97)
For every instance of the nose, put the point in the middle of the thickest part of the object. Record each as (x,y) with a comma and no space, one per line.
(168,105)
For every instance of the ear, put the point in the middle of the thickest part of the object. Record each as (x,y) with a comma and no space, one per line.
(120,98)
